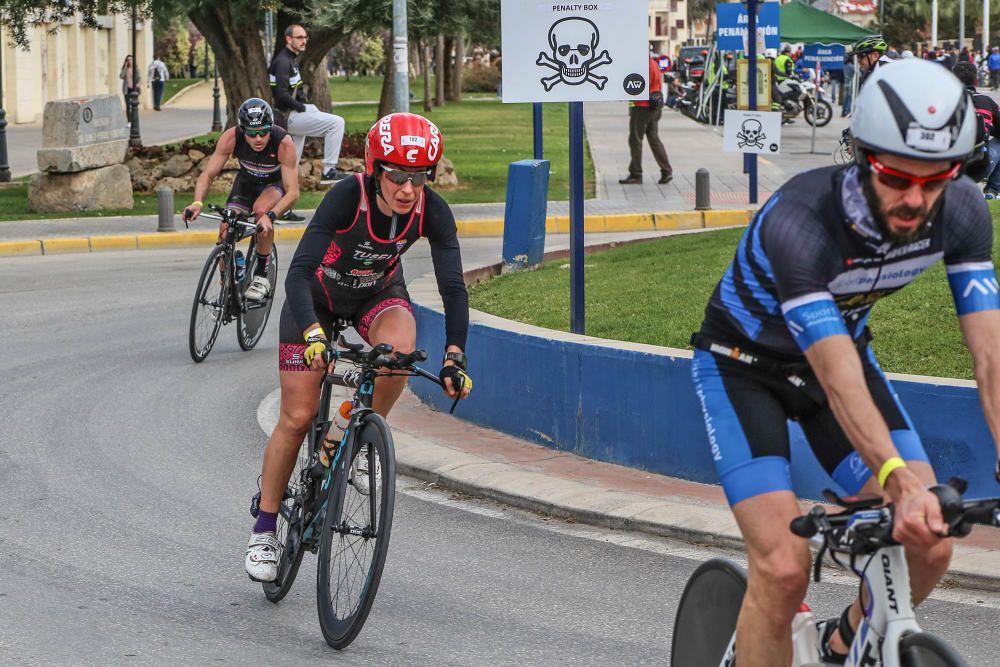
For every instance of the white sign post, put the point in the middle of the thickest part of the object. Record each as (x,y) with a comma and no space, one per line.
(574,51)
(752,132)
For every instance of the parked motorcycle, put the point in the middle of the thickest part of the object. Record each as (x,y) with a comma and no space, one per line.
(799,96)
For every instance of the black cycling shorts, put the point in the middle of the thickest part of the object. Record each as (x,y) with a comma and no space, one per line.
(246,191)
(360,310)
(746,413)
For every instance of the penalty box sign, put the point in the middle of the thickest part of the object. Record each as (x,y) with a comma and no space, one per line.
(574,51)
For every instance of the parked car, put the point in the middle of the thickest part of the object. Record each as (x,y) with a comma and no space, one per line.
(690,61)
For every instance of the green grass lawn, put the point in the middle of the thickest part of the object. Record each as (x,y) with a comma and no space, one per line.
(369,88)
(656,292)
(481,138)
(173,86)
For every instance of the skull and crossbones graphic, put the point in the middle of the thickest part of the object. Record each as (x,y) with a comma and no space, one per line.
(573,42)
(751,134)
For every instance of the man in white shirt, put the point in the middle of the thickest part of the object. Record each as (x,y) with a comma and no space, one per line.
(157,74)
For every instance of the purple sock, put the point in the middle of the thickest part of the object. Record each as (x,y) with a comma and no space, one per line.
(267,522)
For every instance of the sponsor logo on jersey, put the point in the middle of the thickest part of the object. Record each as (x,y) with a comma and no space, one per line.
(369,257)
(985,287)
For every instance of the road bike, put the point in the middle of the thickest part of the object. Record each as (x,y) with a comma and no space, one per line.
(343,512)
(889,636)
(219,298)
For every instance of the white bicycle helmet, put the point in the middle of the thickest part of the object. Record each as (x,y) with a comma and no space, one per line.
(917,109)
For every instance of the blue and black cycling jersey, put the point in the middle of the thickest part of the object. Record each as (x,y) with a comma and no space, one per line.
(812,263)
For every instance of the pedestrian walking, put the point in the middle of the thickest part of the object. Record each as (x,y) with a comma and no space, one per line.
(845,109)
(157,75)
(130,80)
(643,121)
(993,65)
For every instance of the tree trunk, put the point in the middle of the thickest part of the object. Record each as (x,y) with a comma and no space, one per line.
(449,69)
(242,64)
(459,64)
(439,70)
(425,65)
(385,102)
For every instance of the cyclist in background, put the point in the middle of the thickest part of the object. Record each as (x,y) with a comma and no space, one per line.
(267,184)
(785,337)
(348,266)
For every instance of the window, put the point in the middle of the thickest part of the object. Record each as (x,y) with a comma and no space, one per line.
(659,26)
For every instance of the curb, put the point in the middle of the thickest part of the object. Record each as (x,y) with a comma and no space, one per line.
(554,224)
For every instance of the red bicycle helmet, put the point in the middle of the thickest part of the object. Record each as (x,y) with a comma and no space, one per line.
(403,139)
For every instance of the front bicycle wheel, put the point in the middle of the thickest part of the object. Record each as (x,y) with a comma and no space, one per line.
(291,525)
(209,305)
(706,615)
(250,324)
(355,537)
(922,649)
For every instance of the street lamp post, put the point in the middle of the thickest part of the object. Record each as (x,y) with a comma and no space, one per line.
(206,58)
(134,138)
(4,167)
(216,111)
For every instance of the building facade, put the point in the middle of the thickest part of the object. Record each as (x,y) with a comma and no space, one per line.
(71,61)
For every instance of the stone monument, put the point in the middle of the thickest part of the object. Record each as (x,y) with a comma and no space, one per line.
(84,141)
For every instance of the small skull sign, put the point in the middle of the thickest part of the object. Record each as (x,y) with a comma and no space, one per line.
(751,134)
(572,44)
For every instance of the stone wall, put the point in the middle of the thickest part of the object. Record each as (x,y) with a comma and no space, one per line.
(151,170)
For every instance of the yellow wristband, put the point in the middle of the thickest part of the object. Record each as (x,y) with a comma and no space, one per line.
(890,464)
(197,203)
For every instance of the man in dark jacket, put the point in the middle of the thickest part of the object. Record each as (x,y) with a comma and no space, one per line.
(304,120)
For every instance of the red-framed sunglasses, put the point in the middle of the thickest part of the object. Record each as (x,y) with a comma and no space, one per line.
(900,180)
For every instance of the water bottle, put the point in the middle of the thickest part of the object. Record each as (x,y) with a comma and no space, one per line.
(336,433)
(805,639)
(241,266)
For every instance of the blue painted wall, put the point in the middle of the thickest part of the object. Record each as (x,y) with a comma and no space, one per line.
(640,410)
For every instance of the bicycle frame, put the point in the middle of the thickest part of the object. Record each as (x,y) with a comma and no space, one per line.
(237,229)
(889,614)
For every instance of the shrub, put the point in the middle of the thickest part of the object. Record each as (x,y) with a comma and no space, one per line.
(481,80)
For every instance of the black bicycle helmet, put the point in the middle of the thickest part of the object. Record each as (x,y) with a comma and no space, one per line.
(255,114)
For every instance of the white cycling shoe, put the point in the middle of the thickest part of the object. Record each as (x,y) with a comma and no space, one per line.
(259,288)
(262,557)
(359,473)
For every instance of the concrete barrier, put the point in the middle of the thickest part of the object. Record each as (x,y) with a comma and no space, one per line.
(635,404)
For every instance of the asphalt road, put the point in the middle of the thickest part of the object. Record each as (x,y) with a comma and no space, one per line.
(125,476)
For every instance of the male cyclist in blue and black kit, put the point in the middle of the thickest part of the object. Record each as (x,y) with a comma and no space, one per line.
(785,337)
(348,266)
(267,184)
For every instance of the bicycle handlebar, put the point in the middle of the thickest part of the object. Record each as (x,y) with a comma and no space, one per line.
(225,215)
(866,526)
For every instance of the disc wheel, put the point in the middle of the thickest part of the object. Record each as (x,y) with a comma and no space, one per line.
(706,615)
(209,306)
(355,537)
(923,649)
(250,324)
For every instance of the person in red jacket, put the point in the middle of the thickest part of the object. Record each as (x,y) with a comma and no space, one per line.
(643,121)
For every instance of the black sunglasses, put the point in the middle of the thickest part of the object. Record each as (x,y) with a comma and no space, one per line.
(258,133)
(400,177)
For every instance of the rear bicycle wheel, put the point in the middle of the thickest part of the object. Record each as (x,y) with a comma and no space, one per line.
(291,525)
(208,309)
(250,324)
(706,615)
(923,649)
(355,537)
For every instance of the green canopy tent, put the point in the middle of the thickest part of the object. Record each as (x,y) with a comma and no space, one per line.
(802,23)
